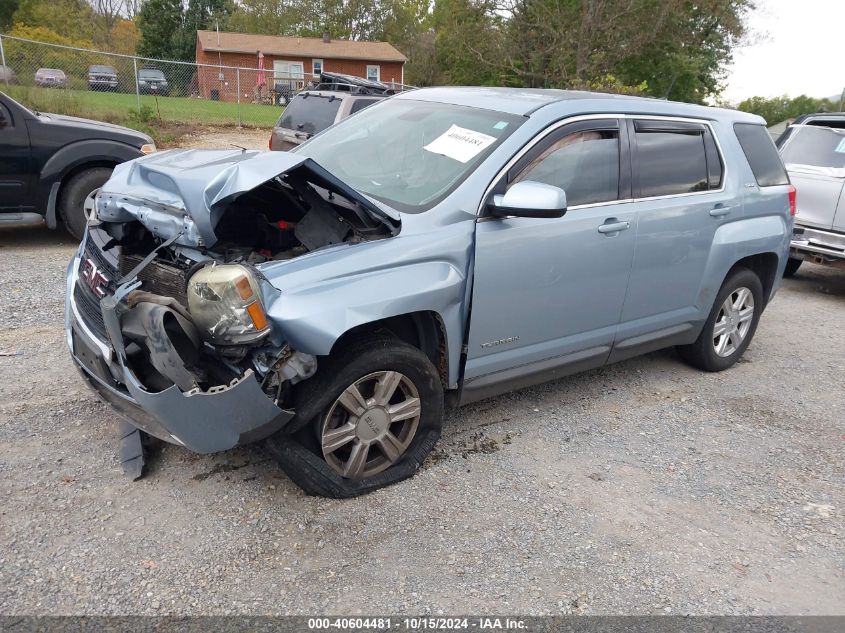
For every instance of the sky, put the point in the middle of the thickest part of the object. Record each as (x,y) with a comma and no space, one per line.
(796,47)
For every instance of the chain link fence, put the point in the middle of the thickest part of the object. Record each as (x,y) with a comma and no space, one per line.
(121,88)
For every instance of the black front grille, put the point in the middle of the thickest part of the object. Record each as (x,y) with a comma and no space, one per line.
(86,299)
(89,310)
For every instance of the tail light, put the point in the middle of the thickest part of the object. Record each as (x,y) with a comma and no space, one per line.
(792,200)
(270,142)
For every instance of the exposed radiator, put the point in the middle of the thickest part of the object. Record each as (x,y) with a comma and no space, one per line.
(158,278)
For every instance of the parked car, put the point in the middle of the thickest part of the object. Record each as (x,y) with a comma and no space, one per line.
(312,111)
(102,78)
(7,75)
(442,246)
(51,166)
(50,78)
(153,81)
(813,148)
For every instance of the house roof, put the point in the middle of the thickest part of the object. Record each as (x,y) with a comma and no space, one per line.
(249,43)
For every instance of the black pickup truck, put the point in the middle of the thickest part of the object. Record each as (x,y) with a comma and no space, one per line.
(51,166)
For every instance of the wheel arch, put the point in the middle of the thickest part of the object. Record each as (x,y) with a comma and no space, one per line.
(765,266)
(423,329)
(73,159)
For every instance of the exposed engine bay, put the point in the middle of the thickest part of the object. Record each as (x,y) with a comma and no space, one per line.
(182,273)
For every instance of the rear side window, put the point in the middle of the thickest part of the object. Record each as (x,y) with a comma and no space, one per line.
(310,113)
(761,153)
(672,159)
(360,104)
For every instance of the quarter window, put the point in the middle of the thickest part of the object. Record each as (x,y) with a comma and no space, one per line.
(670,162)
(584,164)
(761,153)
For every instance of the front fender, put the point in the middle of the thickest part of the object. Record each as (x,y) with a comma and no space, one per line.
(735,241)
(323,295)
(312,319)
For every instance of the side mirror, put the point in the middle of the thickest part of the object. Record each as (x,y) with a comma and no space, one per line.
(529,199)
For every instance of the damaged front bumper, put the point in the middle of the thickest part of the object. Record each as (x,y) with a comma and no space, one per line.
(209,421)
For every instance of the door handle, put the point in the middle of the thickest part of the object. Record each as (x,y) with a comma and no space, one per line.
(721,210)
(614,227)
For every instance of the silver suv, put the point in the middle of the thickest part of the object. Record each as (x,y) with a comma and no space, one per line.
(442,246)
(312,111)
(813,148)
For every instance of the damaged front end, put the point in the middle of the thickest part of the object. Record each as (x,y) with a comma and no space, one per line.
(166,309)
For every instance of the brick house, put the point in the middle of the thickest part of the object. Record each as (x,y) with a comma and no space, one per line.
(290,59)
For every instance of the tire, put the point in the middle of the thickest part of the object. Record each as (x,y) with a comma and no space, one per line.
(302,454)
(792,266)
(74,193)
(703,352)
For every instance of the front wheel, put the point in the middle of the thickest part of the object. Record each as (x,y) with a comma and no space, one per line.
(730,325)
(76,203)
(374,411)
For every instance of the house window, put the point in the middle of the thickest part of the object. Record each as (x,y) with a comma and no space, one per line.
(288,75)
(374,73)
(316,67)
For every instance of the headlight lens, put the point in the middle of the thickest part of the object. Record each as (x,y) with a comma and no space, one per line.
(225,304)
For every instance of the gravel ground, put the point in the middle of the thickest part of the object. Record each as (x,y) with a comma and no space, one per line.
(645,487)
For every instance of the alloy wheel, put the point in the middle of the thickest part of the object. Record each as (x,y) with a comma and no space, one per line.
(733,321)
(88,206)
(371,424)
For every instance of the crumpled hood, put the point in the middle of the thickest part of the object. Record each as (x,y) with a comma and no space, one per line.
(188,190)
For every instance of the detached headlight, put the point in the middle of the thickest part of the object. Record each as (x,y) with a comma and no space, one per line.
(225,304)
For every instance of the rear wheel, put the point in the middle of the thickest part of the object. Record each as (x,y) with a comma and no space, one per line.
(792,266)
(372,412)
(731,324)
(76,204)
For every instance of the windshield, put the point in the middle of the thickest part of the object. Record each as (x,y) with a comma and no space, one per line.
(409,154)
(151,74)
(102,69)
(816,146)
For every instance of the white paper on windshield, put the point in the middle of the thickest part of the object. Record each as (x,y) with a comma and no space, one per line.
(460,143)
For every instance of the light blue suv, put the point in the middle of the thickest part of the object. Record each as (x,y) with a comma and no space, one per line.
(442,246)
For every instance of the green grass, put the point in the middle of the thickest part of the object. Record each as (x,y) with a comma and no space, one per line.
(118,107)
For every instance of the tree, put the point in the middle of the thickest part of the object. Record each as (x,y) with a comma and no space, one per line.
(160,23)
(168,28)
(73,17)
(124,37)
(7,10)
(469,42)
(777,109)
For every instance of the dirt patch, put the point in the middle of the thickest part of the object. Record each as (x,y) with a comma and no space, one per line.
(207,137)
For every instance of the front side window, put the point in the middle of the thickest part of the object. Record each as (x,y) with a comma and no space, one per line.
(671,162)
(584,164)
(310,113)
(409,154)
